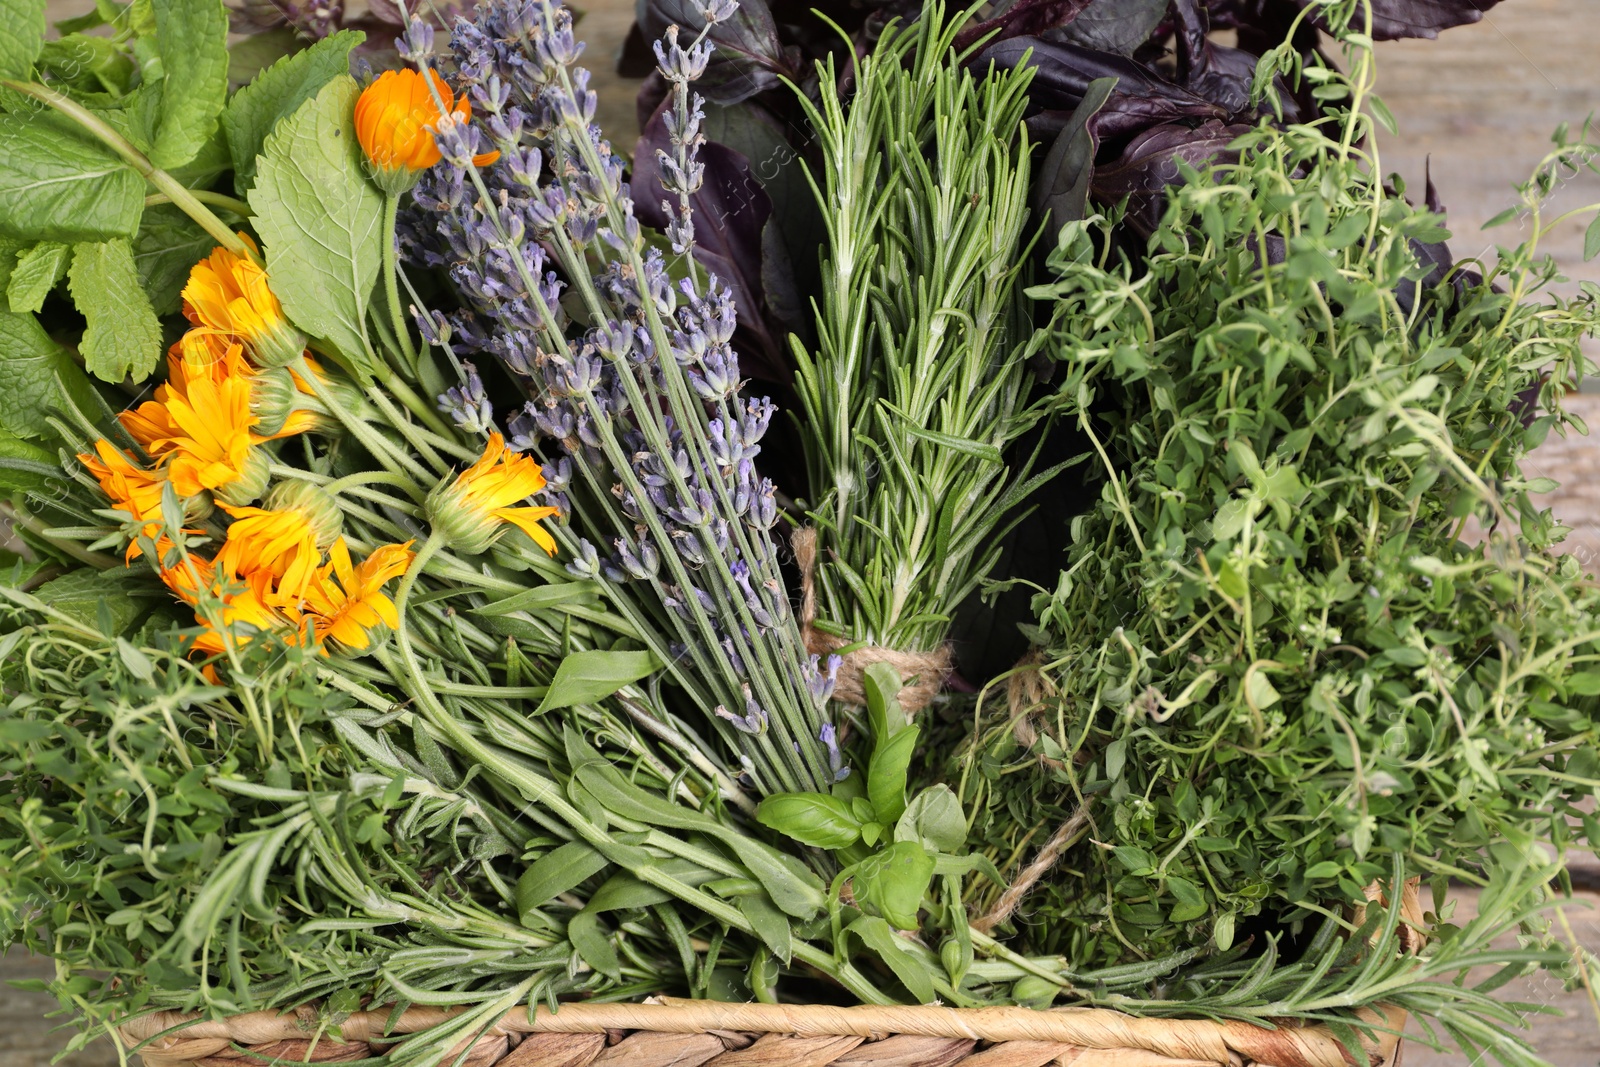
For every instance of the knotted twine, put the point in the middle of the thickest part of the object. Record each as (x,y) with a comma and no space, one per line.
(924,672)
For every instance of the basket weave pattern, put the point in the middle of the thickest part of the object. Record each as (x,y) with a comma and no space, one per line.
(680,1033)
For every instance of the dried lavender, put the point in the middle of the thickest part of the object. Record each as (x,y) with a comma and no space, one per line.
(636,399)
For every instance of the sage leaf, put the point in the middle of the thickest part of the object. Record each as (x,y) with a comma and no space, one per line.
(23,37)
(192,39)
(36,273)
(58,184)
(811,818)
(123,336)
(558,871)
(584,677)
(321,220)
(276,93)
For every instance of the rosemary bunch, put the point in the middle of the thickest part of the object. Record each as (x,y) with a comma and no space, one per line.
(918,386)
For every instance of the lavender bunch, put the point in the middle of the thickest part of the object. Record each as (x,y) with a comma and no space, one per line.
(635,389)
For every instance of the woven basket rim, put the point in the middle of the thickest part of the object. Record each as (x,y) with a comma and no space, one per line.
(173,1039)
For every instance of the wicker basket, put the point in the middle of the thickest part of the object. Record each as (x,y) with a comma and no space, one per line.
(696,1033)
(684,1033)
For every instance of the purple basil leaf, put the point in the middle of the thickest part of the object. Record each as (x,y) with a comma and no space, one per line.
(1064,72)
(1118,26)
(1221,74)
(1028,17)
(749,57)
(731,211)
(1149,164)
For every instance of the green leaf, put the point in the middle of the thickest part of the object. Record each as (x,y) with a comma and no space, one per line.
(893,882)
(278,92)
(558,871)
(32,366)
(543,598)
(934,819)
(25,466)
(22,36)
(585,677)
(592,945)
(1591,240)
(770,924)
(810,818)
(36,273)
(122,336)
(886,777)
(83,594)
(168,245)
(58,184)
(192,37)
(884,713)
(876,934)
(321,219)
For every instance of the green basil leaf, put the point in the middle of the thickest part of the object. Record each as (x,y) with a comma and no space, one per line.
(810,818)
(893,882)
(935,820)
(884,713)
(886,777)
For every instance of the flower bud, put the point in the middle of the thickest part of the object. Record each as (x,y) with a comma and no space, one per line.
(273,397)
(251,483)
(320,508)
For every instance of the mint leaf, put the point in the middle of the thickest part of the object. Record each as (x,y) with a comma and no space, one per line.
(192,37)
(58,184)
(36,273)
(278,92)
(31,368)
(123,336)
(22,38)
(169,243)
(320,219)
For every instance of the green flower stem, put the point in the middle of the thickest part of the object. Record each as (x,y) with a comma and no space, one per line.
(391,286)
(411,488)
(423,410)
(406,429)
(169,186)
(207,196)
(383,451)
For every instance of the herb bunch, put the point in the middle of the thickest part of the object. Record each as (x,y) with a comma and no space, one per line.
(1276,665)
(918,386)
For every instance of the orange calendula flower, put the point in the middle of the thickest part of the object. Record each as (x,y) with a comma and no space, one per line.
(205,436)
(229,294)
(130,487)
(282,544)
(347,601)
(472,510)
(395,119)
(250,605)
